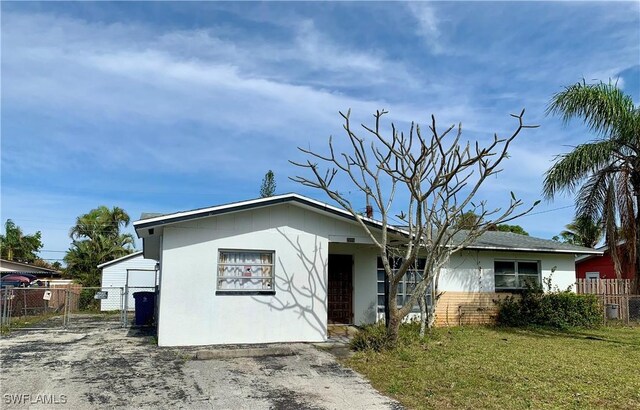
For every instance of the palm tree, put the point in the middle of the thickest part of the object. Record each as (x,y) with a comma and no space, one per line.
(604,173)
(96,240)
(100,222)
(583,231)
(16,246)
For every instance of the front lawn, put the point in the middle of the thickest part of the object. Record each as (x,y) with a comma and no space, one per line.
(480,368)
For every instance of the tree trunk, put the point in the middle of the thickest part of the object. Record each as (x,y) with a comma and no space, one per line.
(386,301)
(432,313)
(422,302)
(393,328)
(434,300)
(637,259)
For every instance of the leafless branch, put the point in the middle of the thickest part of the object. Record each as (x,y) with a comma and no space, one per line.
(441,177)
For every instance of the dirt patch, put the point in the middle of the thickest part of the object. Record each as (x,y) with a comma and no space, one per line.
(286,399)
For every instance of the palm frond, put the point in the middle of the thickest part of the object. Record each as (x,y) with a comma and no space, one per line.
(611,228)
(626,213)
(591,196)
(603,107)
(583,231)
(572,168)
(610,166)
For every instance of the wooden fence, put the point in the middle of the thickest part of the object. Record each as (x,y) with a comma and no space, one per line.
(605,286)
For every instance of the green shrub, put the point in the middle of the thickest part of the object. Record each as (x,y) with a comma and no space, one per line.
(566,309)
(87,301)
(558,310)
(371,337)
(374,337)
(510,312)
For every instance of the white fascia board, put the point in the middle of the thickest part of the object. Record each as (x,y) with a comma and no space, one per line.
(295,199)
(131,255)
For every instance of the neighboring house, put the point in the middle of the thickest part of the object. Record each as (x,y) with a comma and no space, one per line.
(601,266)
(7,267)
(279,269)
(132,271)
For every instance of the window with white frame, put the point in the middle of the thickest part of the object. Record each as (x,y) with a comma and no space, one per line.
(592,275)
(245,270)
(516,274)
(406,285)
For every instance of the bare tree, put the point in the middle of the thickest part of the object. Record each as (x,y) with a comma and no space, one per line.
(440,178)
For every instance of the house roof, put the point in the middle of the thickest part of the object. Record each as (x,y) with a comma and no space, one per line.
(491,240)
(150,220)
(24,267)
(603,249)
(508,241)
(149,215)
(129,256)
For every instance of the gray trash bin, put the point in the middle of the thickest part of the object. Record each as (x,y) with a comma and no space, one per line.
(613,311)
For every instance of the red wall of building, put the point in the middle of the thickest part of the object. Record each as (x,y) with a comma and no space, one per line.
(604,265)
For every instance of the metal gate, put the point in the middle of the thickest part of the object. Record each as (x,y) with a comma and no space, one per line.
(68,307)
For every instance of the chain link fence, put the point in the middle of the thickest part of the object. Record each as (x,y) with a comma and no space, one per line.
(620,308)
(633,303)
(73,307)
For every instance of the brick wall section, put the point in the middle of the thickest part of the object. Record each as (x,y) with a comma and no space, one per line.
(467,308)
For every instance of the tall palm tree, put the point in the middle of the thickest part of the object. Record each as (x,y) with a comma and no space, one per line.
(100,222)
(96,240)
(604,173)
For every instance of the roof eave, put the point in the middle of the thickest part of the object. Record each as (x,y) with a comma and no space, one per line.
(42,270)
(120,259)
(252,204)
(567,251)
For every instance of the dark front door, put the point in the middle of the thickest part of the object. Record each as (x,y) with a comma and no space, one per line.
(340,289)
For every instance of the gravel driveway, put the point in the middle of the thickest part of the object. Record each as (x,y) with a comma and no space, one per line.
(107,368)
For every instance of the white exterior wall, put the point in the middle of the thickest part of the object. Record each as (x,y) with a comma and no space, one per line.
(472,271)
(141,274)
(191,313)
(469,274)
(467,271)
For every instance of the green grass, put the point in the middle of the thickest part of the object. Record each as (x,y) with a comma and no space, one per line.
(494,368)
(28,321)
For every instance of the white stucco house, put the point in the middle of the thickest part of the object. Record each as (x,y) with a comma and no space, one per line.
(132,271)
(280,269)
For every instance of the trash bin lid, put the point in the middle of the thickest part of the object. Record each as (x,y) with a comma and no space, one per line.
(143,294)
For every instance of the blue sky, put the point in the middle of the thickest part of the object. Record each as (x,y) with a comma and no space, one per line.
(161,107)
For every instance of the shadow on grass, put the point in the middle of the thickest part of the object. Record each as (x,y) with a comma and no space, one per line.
(580,334)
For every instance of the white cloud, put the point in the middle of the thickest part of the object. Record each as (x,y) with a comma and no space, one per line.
(228,102)
(428,24)
(70,68)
